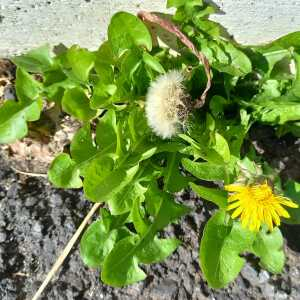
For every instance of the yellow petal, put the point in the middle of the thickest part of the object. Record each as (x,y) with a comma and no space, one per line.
(237,212)
(281,211)
(234,188)
(253,224)
(260,212)
(275,217)
(233,197)
(234,205)
(268,220)
(245,218)
(287,202)
(258,224)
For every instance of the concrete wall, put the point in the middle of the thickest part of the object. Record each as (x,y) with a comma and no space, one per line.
(25,24)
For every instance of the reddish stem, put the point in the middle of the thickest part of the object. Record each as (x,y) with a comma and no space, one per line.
(169,26)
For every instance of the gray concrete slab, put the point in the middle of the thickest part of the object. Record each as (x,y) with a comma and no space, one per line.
(25,24)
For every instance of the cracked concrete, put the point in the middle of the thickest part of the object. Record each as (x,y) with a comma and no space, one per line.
(25,24)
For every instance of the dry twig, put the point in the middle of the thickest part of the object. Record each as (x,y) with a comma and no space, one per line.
(29,173)
(66,251)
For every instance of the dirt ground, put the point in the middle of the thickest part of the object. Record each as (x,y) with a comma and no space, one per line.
(37,220)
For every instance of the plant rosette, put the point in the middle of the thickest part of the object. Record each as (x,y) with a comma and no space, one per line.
(157,118)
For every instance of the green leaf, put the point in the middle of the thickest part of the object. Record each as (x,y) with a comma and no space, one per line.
(96,243)
(82,147)
(13,116)
(27,89)
(207,26)
(273,58)
(221,147)
(113,222)
(103,95)
(106,130)
(103,63)
(175,3)
(55,83)
(217,104)
(204,170)
(153,199)
(63,172)
(157,250)
(239,64)
(285,42)
(120,269)
(121,265)
(296,84)
(105,55)
(76,103)
(81,61)
(36,61)
(153,63)
(174,181)
(191,6)
(102,182)
(84,153)
(131,61)
(269,248)
(278,110)
(220,249)
(140,223)
(143,152)
(208,10)
(216,196)
(126,31)
(122,200)
(292,191)
(238,59)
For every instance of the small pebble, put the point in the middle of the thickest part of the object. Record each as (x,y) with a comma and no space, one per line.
(31,201)
(250,274)
(3,236)
(37,228)
(263,276)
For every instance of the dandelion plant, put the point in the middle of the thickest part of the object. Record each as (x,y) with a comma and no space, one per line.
(159,118)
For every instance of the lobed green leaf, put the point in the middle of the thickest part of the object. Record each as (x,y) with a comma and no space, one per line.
(126,31)
(269,248)
(220,249)
(218,197)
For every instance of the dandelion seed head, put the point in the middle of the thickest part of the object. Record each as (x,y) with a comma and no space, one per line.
(256,205)
(167,104)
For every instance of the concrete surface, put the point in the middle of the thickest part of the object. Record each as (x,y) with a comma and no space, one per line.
(25,24)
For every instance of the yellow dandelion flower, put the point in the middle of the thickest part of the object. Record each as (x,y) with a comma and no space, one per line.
(256,205)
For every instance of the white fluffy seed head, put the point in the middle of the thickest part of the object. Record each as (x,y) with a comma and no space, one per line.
(166,104)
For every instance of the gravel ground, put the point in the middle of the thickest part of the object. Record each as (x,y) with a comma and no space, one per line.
(37,220)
